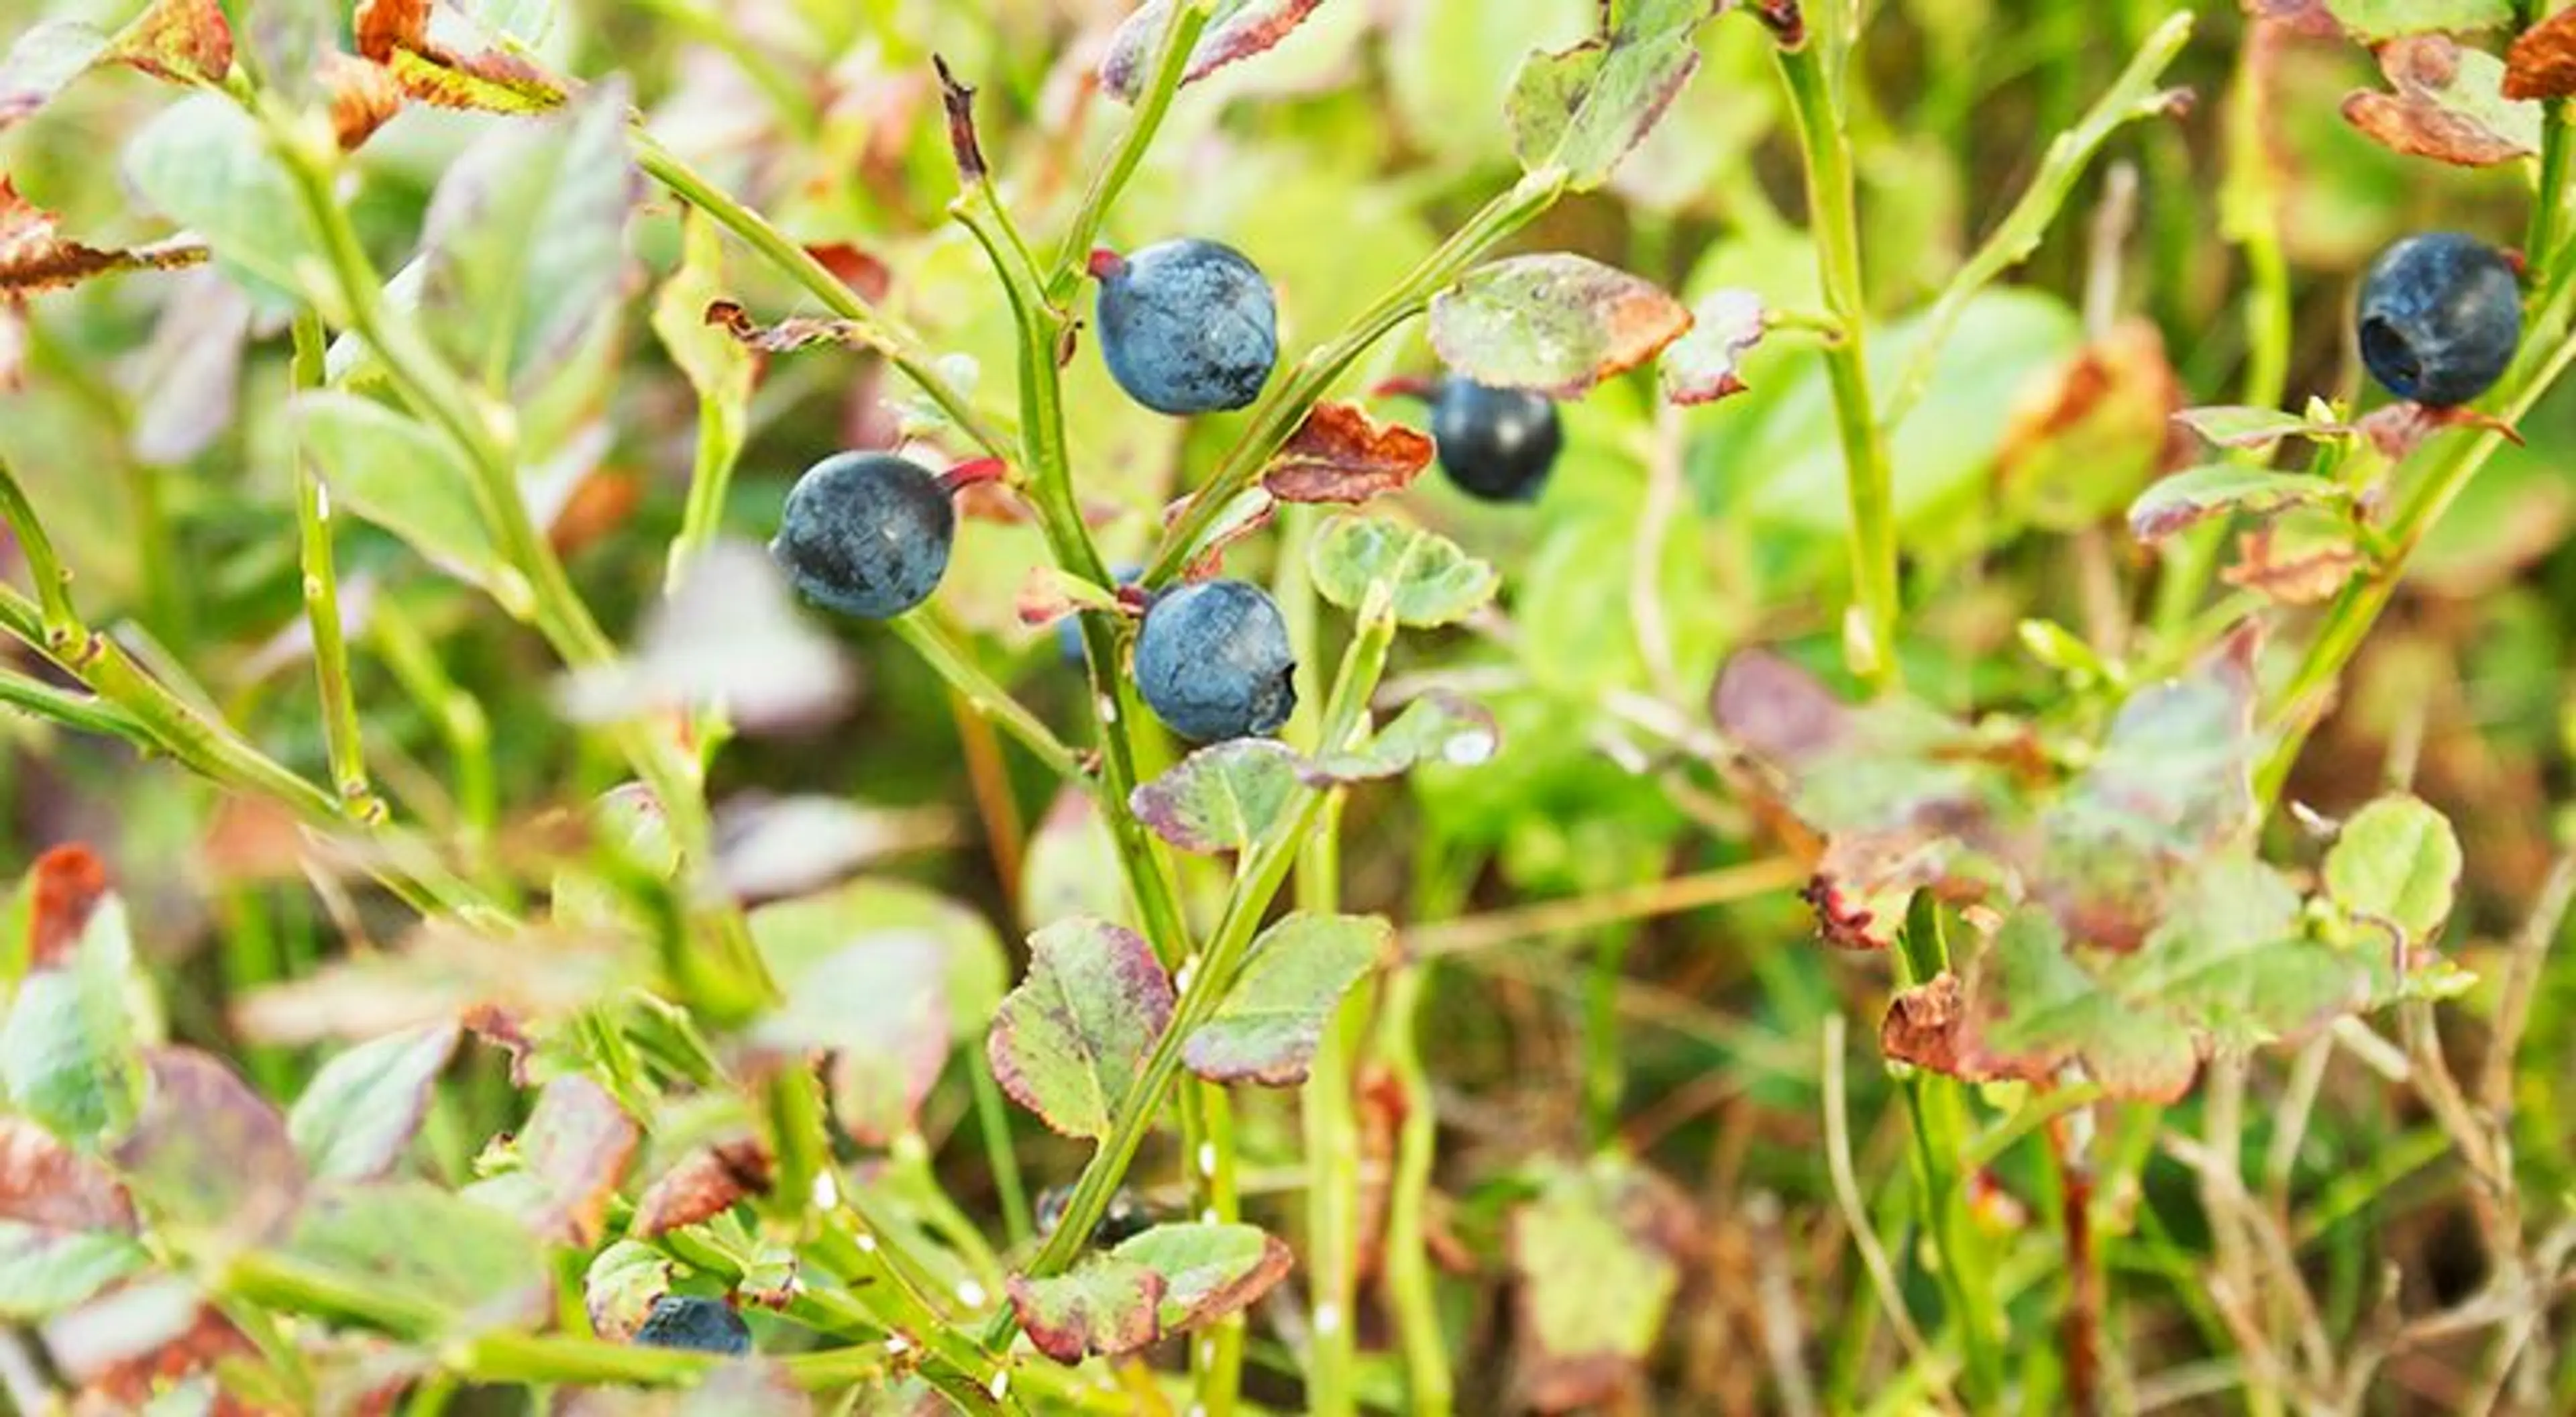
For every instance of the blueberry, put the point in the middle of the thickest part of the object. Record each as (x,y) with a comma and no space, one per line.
(1187,326)
(699,1324)
(1125,1218)
(2441,314)
(866,534)
(1496,444)
(1068,631)
(1213,661)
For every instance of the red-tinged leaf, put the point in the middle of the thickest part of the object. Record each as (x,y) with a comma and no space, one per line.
(34,256)
(1579,111)
(1271,1021)
(45,58)
(2542,62)
(1553,324)
(1068,1042)
(2312,571)
(1209,1271)
(1105,1305)
(1221,798)
(2035,1009)
(1250,511)
(2447,103)
(2174,503)
(62,888)
(135,1343)
(788,335)
(207,1152)
(183,41)
(1236,30)
(705,1184)
(2375,21)
(571,1156)
(2398,429)
(46,1184)
(1701,367)
(1597,1256)
(361,1110)
(2256,428)
(2091,437)
(1340,454)
(871,278)
(363,95)
(443,59)
(1924,1025)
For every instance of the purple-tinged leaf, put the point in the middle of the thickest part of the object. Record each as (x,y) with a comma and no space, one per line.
(1340,454)
(1553,324)
(621,1286)
(66,1227)
(2396,862)
(2235,426)
(1067,1043)
(1103,1305)
(360,1112)
(1579,111)
(570,1158)
(2035,1009)
(1376,565)
(1208,1271)
(478,1265)
(2447,103)
(703,1185)
(207,1153)
(1236,30)
(1702,366)
(1597,1256)
(44,59)
(1439,727)
(186,383)
(2179,501)
(1221,798)
(1273,1016)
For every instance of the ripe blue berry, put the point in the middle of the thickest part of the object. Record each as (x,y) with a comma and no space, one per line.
(1496,444)
(2441,315)
(1212,661)
(699,1324)
(1187,326)
(866,534)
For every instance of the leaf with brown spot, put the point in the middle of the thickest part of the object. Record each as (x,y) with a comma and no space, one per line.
(1340,454)
(2096,434)
(1597,1259)
(705,1184)
(1702,366)
(1236,30)
(1555,324)
(34,256)
(1104,1305)
(183,41)
(2448,104)
(443,59)
(363,94)
(62,888)
(2310,571)
(1923,1025)
(2542,62)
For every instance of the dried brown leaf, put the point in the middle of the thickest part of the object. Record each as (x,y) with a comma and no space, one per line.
(1340,454)
(2447,105)
(35,257)
(442,59)
(2310,575)
(183,41)
(704,1184)
(2542,62)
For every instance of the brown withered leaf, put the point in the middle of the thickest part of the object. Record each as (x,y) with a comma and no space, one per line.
(2448,104)
(183,41)
(705,1184)
(2095,433)
(364,97)
(2309,574)
(35,257)
(788,335)
(871,278)
(1922,1025)
(2542,62)
(443,59)
(1340,454)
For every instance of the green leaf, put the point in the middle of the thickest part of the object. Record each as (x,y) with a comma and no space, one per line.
(1555,324)
(2235,426)
(1209,1271)
(204,164)
(2036,1009)
(1067,1043)
(44,1272)
(2397,861)
(1071,867)
(1236,30)
(1273,1016)
(1103,1305)
(360,1112)
(620,1287)
(1439,727)
(717,365)
(207,1153)
(2178,501)
(42,61)
(397,473)
(1579,111)
(881,1005)
(71,1048)
(476,1264)
(2232,962)
(1373,565)
(1221,798)
(2375,20)
(1596,1254)
(798,936)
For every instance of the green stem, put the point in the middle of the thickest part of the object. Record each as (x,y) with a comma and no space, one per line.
(1281,411)
(993,1119)
(899,346)
(87,712)
(1935,1106)
(967,1375)
(345,750)
(1331,1135)
(1411,1295)
(527,1358)
(1869,636)
(1170,61)
(952,659)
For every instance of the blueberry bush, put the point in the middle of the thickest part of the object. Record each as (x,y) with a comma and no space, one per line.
(759,708)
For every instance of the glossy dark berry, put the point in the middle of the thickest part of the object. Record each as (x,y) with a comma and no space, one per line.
(699,1324)
(866,534)
(1187,326)
(1212,661)
(2441,315)
(1125,1218)
(1496,444)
